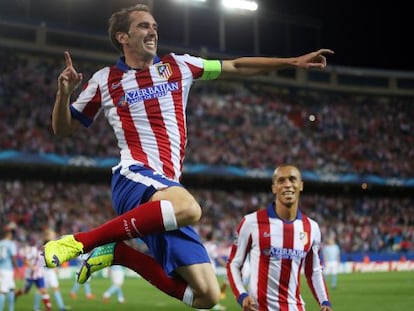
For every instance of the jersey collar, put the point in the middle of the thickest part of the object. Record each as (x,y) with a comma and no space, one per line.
(120,64)
(271,212)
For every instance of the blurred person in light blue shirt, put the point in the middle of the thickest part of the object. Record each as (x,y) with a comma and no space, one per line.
(332,258)
(8,262)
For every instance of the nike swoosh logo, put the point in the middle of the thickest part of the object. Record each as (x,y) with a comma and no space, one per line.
(115,85)
(133,220)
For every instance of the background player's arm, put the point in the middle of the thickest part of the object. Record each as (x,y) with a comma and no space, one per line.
(221,261)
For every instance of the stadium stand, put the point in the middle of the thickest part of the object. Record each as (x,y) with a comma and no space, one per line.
(340,127)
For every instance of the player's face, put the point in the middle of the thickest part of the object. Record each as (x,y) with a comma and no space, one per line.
(287,185)
(142,34)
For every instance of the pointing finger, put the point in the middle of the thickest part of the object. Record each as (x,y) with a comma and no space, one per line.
(68,59)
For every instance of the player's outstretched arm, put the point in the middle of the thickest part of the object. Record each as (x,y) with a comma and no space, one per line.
(260,65)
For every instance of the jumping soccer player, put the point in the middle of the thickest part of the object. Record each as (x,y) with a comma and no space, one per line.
(144,99)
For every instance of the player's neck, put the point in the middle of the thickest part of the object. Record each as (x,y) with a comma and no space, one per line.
(287,213)
(138,63)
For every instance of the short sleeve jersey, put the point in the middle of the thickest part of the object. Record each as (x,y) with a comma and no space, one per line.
(278,251)
(146,108)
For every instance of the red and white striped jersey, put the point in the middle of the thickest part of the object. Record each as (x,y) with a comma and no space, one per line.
(279,250)
(146,108)
(34,261)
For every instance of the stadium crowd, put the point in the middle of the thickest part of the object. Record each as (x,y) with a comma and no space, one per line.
(361,224)
(255,125)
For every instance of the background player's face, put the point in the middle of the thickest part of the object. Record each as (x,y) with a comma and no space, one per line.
(142,35)
(287,185)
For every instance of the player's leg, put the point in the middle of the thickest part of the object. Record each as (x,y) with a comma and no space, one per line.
(2,300)
(168,206)
(120,295)
(182,255)
(26,288)
(52,282)
(7,289)
(116,275)
(145,265)
(74,290)
(167,210)
(334,274)
(108,293)
(40,284)
(203,282)
(36,300)
(88,290)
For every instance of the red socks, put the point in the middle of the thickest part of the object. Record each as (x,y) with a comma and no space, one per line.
(149,269)
(150,217)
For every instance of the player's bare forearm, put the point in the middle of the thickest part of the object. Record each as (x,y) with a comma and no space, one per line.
(61,116)
(259,65)
(68,80)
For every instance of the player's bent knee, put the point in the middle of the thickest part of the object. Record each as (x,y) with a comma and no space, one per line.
(194,214)
(189,214)
(186,208)
(208,299)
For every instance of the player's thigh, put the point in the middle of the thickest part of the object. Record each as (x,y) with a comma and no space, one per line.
(201,278)
(182,200)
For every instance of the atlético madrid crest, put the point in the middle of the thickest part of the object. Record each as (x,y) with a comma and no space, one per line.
(164,71)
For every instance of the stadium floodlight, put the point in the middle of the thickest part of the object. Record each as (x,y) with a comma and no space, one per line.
(193,1)
(240,4)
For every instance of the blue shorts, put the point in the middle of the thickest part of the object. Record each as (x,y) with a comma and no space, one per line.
(135,185)
(40,283)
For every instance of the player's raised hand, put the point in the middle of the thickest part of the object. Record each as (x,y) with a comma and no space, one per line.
(316,59)
(69,78)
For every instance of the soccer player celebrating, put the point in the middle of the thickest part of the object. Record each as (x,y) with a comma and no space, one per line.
(280,241)
(144,99)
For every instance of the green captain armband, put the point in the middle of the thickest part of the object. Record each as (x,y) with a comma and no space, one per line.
(212,69)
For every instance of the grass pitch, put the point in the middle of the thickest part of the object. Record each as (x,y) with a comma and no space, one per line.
(385,291)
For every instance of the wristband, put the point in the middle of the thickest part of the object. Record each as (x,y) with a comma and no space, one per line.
(326,303)
(241,298)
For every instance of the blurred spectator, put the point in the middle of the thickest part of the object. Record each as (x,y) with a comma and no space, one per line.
(347,133)
(376,227)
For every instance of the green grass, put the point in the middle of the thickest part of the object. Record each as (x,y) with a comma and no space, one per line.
(387,291)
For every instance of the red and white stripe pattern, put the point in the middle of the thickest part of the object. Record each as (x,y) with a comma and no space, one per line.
(146,109)
(35,262)
(279,251)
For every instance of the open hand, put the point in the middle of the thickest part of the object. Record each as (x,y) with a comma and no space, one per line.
(315,59)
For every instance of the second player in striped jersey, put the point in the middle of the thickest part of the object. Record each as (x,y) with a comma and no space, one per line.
(280,241)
